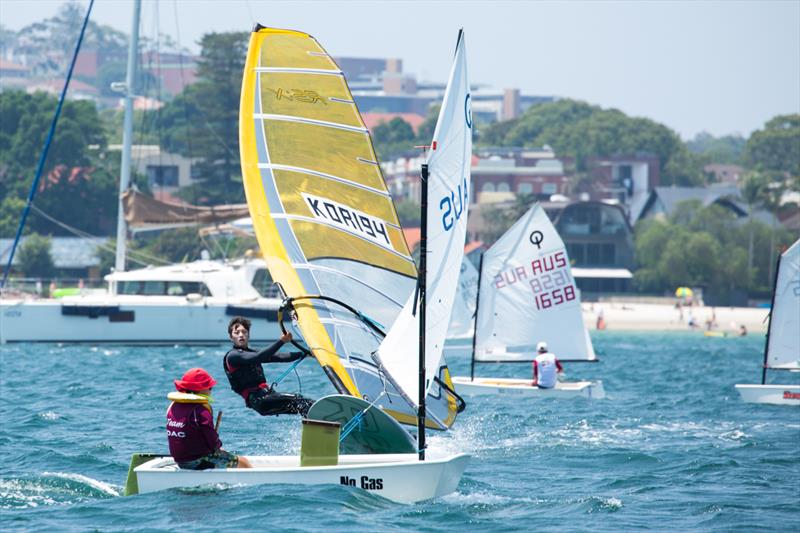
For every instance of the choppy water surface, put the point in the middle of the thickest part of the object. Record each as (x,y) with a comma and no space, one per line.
(672,447)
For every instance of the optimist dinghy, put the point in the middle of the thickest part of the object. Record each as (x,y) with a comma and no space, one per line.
(331,239)
(526,294)
(782,347)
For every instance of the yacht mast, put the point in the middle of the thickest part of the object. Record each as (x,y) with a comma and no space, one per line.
(127,137)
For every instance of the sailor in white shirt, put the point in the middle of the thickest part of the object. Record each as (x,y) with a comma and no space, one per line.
(545,368)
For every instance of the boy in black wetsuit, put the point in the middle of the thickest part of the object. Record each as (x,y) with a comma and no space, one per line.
(246,375)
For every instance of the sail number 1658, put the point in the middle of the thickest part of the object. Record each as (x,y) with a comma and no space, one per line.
(552,289)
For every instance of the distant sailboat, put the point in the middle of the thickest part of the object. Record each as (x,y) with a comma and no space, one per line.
(462,321)
(782,347)
(330,236)
(526,295)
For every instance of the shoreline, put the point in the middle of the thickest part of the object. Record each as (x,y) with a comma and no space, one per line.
(620,316)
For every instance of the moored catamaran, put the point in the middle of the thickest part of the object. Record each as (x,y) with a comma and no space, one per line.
(782,347)
(526,294)
(330,237)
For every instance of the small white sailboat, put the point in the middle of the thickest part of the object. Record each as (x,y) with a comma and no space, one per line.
(330,236)
(526,295)
(782,347)
(462,321)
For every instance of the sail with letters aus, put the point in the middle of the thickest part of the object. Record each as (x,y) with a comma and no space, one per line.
(323,216)
(783,345)
(449,188)
(528,295)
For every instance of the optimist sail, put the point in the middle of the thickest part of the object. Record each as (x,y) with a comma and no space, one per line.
(783,346)
(448,161)
(463,317)
(528,294)
(323,216)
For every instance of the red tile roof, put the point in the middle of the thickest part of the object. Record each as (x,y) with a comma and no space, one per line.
(371,120)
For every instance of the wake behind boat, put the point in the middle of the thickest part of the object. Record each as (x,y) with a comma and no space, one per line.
(527,295)
(782,347)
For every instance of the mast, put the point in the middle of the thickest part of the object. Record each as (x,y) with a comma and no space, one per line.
(423,252)
(475,322)
(127,137)
(769,326)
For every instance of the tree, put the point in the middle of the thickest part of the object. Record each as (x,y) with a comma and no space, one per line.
(78,185)
(776,147)
(34,257)
(392,138)
(723,150)
(204,121)
(580,130)
(408,213)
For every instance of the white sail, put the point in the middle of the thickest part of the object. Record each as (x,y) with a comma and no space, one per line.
(448,197)
(783,350)
(528,294)
(462,319)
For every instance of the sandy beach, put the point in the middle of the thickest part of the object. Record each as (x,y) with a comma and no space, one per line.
(658,317)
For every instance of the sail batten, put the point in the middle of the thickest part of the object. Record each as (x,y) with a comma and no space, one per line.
(298,70)
(273,166)
(323,123)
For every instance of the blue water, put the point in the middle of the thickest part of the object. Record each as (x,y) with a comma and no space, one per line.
(671,448)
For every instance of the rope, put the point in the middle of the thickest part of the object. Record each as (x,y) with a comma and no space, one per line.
(46,149)
(356,420)
(287,371)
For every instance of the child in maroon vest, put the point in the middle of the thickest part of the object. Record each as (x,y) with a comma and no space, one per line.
(193,440)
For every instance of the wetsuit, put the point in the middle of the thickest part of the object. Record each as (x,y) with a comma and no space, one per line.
(246,376)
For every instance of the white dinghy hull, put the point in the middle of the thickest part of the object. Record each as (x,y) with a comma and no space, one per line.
(563,390)
(401,478)
(772,394)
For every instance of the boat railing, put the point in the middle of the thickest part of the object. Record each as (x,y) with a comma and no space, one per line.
(50,288)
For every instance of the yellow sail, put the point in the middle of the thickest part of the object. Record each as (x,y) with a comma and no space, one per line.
(323,215)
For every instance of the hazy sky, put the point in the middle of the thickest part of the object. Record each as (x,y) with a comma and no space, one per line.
(723,67)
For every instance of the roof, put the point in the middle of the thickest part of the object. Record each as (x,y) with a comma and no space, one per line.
(67,252)
(413,236)
(371,120)
(8,65)
(605,273)
(472,246)
(670,197)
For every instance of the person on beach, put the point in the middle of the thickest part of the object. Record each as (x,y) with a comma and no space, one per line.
(546,367)
(193,440)
(742,330)
(246,375)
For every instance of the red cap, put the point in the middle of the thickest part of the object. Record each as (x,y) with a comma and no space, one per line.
(195,379)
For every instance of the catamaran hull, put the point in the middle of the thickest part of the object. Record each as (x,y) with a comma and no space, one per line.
(120,321)
(523,387)
(397,477)
(771,394)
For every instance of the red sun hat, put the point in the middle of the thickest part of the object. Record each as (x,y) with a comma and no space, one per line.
(195,379)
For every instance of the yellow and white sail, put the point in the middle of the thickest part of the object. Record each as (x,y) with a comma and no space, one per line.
(321,211)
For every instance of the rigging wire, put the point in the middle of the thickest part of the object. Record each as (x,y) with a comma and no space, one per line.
(46,149)
(143,259)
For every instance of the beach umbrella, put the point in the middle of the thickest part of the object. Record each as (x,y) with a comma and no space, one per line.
(682,292)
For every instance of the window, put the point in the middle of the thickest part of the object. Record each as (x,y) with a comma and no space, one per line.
(161,288)
(162,175)
(503,187)
(262,282)
(525,188)
(549,188)
(487,187)
(576,253)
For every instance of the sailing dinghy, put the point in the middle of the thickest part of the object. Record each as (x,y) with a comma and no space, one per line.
(330,236)
(462,321)
(526,294)
(782,347)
